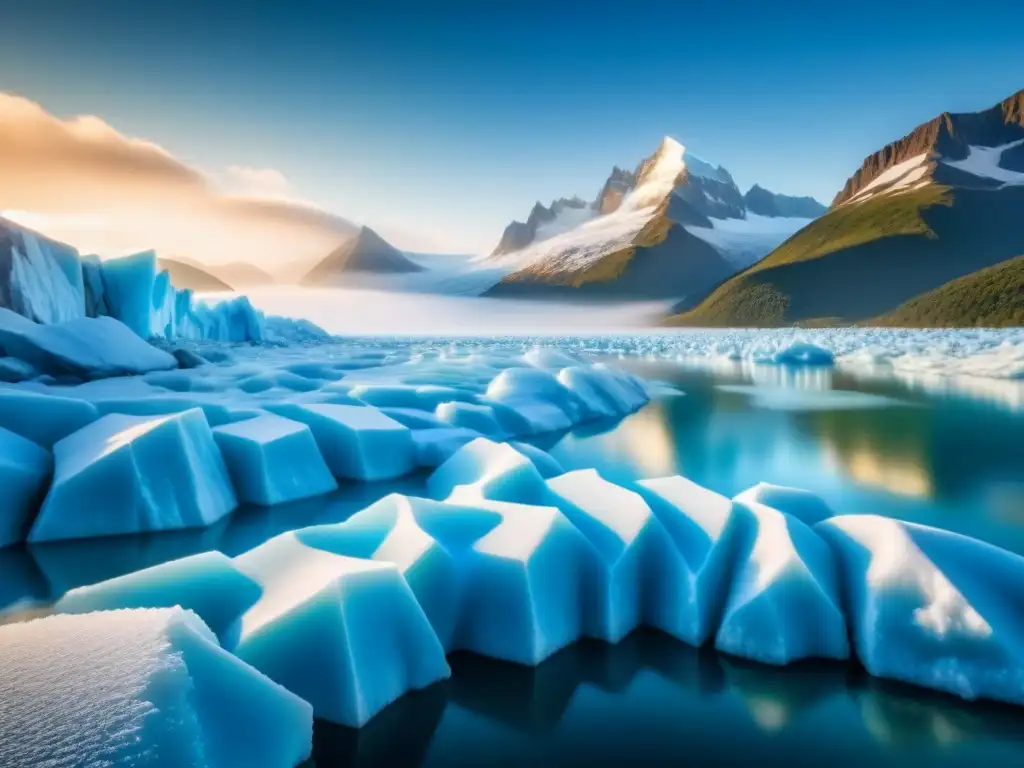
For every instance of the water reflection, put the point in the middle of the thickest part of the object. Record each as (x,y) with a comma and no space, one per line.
(874,445)
(679,703)
(41,573)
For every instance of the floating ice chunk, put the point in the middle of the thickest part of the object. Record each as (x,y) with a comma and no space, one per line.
(436,445)
(545,463)
(706,535)
(261,382)
(516,424)
(89,347)
(546,357)
(404,530)
(804,353)
(345,634)
(424,397)
(208,584)
(24,470)
(932,607)
(600,394)
(538,398)
(141,688)
(358,442)
(628,391)
(805,506)
(783,601)
(41,418)
(793,399)
(525,583)
(129,474)
(490,471)
(640,577)
(479,418)
(273,460)
(414,418)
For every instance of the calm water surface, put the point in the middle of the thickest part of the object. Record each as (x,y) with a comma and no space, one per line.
(868,446)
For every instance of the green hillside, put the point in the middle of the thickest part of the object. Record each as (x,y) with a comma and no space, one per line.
(990,298)
(864,259)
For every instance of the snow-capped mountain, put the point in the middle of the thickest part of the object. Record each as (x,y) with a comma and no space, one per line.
(973,150)
(943,202)
(675,225)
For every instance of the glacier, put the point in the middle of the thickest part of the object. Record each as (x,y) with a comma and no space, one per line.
(350,616)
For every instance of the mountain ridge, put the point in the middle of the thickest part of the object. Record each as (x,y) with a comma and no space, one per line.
(933,206)
(650,233)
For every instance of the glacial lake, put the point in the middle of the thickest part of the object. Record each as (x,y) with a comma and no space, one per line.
(930,452)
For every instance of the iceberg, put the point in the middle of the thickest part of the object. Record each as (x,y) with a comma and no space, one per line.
(931,607)
(273,460)
(426,540)
(525,583)
(434,446)
(146,688)
(40,278)
(208,584)
(132,295)
(86,348)
(807,507)
(479,418)
(43,419)
(783,600)
(150,473)
(539,396)
(345,634)
(703,530)
(357,441)
(640,576)
(24,471)
(488,470)
(598,393)
(545,463)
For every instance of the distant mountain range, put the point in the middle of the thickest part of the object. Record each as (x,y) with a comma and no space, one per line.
(944,203)
(674,226)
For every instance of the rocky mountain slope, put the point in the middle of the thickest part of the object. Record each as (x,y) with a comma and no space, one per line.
(366,253)
(942,202)
(675,225)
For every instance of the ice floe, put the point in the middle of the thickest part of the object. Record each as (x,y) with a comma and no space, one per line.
(143,688)
(350,616)
(131,474)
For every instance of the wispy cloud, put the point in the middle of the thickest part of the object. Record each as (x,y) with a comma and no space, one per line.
(82,181)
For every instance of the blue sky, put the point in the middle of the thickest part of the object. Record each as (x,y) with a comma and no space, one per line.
(438,122)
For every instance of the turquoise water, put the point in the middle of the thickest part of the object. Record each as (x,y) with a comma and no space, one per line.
(868,446)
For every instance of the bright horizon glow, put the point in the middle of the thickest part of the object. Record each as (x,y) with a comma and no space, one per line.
(438,124)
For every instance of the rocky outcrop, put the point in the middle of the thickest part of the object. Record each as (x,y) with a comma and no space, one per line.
(520,234)
(948,136)
(618,185)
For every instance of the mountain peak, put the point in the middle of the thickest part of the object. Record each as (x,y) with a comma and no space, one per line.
(367,252)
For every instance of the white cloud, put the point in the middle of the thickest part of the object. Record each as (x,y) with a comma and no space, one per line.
(81,181)
(259,181)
